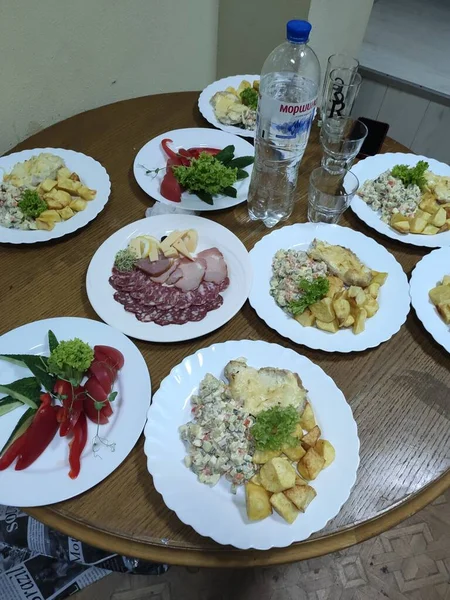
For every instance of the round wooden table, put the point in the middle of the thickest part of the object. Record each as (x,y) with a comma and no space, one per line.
(398,392)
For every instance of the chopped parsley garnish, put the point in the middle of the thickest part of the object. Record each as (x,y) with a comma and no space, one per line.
(125,260)
(249,97)
(313,291)
(274,428)
(411,175)
(31,204)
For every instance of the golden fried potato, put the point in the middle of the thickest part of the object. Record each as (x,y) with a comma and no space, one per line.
(44,225)
(277,475)
(418,224)
(284,507)
(371,307)
(332,327)
(294,453)
(52,216)
(444,311)
(300,481)
(348,321)
(298,431)
(69,186)
(306,318)
(310,439)
(326,451)
(301,496)
(445,227)
(323,310)
(47,185)
(429,205)
(421,214)
(430,230)
(256,85)
(78,204)
(374,289)
(356,295)
(257,502)
(439,218)
(74,177)
(342,309)
(63,173)
(307,420)
(260,457)
(243,86)
(440,294)
(336,285)
(360,320)
(66,213)
(311,464)
(401,226)
(255,479)
(86,193)
(379,277)
(446,280)
(64,198)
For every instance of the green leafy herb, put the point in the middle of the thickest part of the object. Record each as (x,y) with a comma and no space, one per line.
(411,175)
(313,291)
(52,340)
(205,174)
(125,260)
(112,396)
(27,390)
(274,427)
(38,365)
(7,404)
(31,204)
(70,359)
(225,155)
(249,97)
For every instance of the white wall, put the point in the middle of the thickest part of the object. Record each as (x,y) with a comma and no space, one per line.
(338,27)
(61,57)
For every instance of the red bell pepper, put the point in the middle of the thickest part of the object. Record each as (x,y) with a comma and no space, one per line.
(195,152)
(110,355)
(77,445)
(104,375)
(94,415)
(165,146)
(170,186)
(73,409)
(13,451)
(39,434)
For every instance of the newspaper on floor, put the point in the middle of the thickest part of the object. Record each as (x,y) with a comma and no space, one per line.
(39,563)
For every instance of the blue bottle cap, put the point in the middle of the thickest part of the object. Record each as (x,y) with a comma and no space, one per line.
(298,31)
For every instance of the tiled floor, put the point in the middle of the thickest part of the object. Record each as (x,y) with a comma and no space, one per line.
(410,562)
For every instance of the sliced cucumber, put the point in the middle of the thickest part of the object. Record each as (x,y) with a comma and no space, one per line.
(22,425)
(7,404)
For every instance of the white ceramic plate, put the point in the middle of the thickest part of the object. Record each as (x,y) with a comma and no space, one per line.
(152,156)
(46,481)
(394,295)
(427,274)
(91,172)
(215,512)
(371,168)
(101,293)
(207,110)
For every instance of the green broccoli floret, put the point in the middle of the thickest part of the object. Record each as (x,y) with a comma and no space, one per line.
(31,204)
(70,360)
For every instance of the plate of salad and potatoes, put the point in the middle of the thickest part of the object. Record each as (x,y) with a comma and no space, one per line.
(74,394)
(195,169)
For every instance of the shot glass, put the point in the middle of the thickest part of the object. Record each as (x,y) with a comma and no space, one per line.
(341,139)
(330,194)
(341,90)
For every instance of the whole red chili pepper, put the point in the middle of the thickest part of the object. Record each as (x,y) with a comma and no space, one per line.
(39,434)
(77,445)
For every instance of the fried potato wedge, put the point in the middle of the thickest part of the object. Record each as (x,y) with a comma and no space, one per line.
(277,475)
(257,501)
(306,318)
(323,310)
(326,451)
(260,457)
(284,507)
(301,496)
(294,453)
(307,420)
(310,439)
(311,464)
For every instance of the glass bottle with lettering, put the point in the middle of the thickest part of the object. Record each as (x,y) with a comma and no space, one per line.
(286,109)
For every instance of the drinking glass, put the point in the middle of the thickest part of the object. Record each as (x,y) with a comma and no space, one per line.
(341,139)
(341,89)
(330,194)
(338,61)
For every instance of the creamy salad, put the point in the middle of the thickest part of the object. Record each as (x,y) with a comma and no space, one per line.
(218,437)
(10,213)
(288,268)
(389,195)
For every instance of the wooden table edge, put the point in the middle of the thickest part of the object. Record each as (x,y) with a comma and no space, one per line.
(253,558)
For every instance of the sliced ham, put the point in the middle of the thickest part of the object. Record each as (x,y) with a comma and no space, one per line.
(216,267)
(166,275)
(192,272)
(174,276)
(155,267)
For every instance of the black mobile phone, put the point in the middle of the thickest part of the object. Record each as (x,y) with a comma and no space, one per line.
(375,137)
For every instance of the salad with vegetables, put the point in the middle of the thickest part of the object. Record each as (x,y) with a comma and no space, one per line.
(72,385)
(205,172)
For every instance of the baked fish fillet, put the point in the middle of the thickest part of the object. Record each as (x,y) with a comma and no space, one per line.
(342,262)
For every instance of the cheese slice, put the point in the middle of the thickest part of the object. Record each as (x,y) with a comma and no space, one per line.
(135,246)
(171,239)
(153,254)
(170,253)
(181,247)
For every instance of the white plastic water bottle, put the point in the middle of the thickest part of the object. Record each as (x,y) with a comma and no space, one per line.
(287,100)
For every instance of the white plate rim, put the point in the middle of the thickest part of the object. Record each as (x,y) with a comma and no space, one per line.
(427,272)
(246,348)
(151,332)
(207,110)
(81,219)
(380,163)
(343,341)
(135,375)
(202,137)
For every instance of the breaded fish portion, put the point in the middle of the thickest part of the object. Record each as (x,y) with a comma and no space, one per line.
(342,262)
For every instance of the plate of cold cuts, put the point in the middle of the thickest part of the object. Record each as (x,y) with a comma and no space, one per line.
(169,278)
